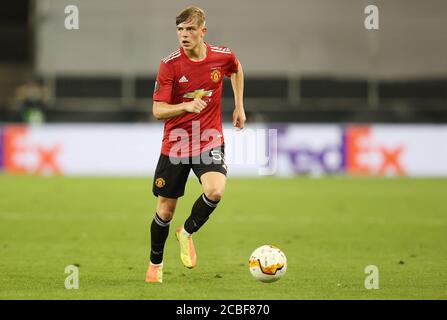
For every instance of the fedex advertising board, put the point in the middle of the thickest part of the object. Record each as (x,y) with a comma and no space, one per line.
(370,150)
(2,149)
(378,150)
(81,149)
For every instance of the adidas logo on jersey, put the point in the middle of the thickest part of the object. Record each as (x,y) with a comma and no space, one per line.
(183,79)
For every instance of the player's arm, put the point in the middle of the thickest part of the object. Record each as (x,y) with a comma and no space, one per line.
(164,84)
(163,110)
(237,82)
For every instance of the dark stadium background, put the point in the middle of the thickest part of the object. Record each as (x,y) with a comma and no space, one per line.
(334,69)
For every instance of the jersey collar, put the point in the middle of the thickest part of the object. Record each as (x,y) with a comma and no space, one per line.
(208,53)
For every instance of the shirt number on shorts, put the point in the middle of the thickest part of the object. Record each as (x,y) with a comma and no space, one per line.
(218,157)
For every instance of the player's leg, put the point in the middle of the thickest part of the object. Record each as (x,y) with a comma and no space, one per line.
(213,178)
(160,227)
(159,234)
(213,186)
(169,184)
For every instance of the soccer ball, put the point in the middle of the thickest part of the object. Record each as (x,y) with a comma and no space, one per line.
(267,263)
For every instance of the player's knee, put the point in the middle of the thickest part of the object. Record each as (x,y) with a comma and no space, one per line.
(165,213)
(214,194)
(166,209)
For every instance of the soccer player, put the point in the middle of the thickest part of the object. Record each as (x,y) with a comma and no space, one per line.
(187,96)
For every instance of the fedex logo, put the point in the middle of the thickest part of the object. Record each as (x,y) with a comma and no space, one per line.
(365,156)
(2,152)
(21,155)
(357,152)
(307,159)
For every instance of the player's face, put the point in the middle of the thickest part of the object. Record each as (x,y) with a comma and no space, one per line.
(190,34)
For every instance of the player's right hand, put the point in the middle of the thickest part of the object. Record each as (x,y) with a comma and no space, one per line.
(196,105)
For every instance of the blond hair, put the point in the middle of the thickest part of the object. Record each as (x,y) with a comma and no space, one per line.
(191,13)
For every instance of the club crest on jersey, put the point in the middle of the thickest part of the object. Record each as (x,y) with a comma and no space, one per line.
(160,182)
(200,93)
(215,75)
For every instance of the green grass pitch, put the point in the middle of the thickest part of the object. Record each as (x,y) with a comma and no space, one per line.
(329,228)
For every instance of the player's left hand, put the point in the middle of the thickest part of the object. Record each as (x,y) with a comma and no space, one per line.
(239,117)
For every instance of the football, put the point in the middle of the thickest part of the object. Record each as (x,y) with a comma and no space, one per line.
(267,263)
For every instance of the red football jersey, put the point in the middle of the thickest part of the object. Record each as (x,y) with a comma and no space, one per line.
(180,80)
